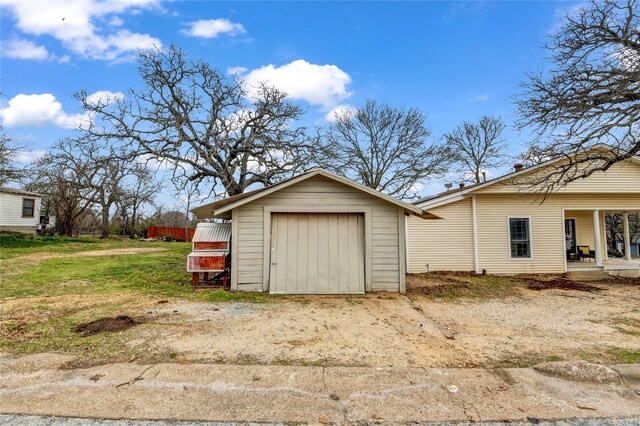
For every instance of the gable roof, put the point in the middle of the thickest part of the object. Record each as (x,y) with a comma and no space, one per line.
(15,191)
(457,194)
(218,208)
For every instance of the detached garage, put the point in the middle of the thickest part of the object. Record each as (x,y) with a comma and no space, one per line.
(316,233)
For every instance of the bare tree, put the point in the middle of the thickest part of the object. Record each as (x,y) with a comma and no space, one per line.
(209,126)
(382,147)
(64,184)
(140,188)
(9,150)
(87,175)
(478,147)
(590,96)
(615,233)
(185,195)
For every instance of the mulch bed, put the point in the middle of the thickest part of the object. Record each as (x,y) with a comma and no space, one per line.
(109,324)
(559,283)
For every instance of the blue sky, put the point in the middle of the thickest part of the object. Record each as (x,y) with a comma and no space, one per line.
(454,61)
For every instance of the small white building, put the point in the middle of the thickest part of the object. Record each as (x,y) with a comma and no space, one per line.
(19,210)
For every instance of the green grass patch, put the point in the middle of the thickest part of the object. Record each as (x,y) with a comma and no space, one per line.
(526,361)
(623,356)
(158,273)
(13,245)
(12,241)
(207,295)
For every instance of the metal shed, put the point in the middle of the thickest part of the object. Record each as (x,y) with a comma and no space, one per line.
(316,233)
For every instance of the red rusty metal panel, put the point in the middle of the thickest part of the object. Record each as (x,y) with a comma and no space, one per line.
(207,263)
(168,231)
(211,245)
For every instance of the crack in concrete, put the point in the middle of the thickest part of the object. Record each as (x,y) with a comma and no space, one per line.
(343,409)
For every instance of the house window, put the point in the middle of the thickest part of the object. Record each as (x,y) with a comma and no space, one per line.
(520,238)
(28,205)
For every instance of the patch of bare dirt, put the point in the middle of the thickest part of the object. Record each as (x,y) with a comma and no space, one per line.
(43,255)
(558,283)
(380,331)
(119,323)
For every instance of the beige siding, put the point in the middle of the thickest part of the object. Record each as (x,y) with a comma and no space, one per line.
(446,244)
(585,230)
(321,193)
(547,228)
(11,212)
(623,177)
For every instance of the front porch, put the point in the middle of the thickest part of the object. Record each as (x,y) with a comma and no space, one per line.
(588,245)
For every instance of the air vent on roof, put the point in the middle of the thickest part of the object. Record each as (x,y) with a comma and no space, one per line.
(517,167)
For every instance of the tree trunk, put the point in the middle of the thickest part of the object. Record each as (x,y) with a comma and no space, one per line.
(133,221)
(105,221)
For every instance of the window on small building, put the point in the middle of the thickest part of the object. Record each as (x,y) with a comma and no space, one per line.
(28,206)
(520,238)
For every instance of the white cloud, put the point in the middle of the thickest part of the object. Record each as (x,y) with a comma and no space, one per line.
(116,22)
(39,110)
(339,110)
(212,28)
(479,98)
(324,85)
(24,49)
(236,70)
(104,97)
(29,156)
(76,24)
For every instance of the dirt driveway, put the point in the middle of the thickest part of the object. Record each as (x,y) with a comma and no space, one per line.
(384,330)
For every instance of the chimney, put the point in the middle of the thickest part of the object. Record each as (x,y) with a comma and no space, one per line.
(517,167)
(461,184)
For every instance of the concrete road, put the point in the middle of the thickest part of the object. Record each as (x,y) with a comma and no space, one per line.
(17,420)
(35,385)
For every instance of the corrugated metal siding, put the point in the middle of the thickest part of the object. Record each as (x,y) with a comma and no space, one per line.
(445,244)
(547,228)
(319,192)
(207,232)
(11,211)
(623,177)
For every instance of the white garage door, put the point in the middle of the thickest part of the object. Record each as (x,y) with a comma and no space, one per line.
(317,253)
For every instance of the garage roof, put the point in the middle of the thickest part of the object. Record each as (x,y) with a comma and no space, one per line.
(219,208)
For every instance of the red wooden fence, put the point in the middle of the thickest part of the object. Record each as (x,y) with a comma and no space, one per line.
(168,231)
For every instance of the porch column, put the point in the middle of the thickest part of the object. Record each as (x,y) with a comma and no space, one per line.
(596,230)
(627,237)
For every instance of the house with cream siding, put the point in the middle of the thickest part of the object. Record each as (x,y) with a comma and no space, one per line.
(19,210)
(316,233)
(506,226)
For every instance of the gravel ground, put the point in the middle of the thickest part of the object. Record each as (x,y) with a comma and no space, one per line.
(67,421)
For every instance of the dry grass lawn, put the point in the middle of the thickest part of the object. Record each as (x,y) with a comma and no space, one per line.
(48,290)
